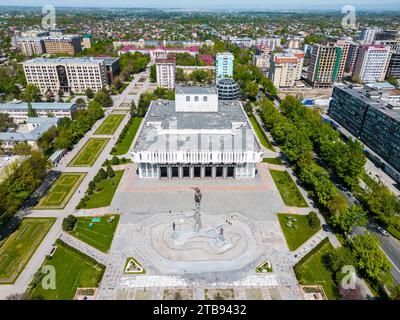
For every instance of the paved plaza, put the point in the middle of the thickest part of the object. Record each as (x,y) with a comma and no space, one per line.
(246,210)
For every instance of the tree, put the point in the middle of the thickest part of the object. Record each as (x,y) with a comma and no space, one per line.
(80,103)
(336,259)
(313,220)
(31,93)
(31,112)
(153,73)
(102,174)
(89,93)
(393,81)
(349,219)
(370,259)
(22,148)
(115,160)
(69,222)
(103,97)
(110,172)
(6,122)
(297,145)
(133,109)
(337,204)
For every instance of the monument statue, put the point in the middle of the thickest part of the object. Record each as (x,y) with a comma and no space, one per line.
(197,214)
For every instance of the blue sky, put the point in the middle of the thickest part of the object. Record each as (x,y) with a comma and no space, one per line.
(218,4)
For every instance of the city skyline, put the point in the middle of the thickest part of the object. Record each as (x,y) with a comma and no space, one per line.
(222,4)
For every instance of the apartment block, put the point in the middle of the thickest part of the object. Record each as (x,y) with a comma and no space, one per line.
(372,63)
(166,71)
(224,65)
(65,44)
(324,66)
(67,74)
(286,68)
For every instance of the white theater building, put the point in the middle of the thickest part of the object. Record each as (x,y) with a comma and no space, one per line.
(196,136)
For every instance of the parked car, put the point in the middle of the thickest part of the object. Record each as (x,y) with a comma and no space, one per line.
(383,232)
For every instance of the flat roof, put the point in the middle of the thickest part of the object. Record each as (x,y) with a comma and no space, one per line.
(37,105)
(379,104)
(80,60)
(195,90)
(216,127)
(34,135)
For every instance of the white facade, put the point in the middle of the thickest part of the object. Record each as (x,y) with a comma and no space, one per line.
(201,101)
(372,63)
(186,138)
(76,74)
(166,72)
(368,35)
(272,42)
(30,46)
(261,61)
(19,110)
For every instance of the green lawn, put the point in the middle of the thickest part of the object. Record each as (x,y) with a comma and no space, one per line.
(273,160)
(73,270)
(261,134)
(110,124)
(87,156)
(311,270)
(104,197)
(61,191)
(123,146)
(287,188)
(99,235)
(295,237)
(16,251)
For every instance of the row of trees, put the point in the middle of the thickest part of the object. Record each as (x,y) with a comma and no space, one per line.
(20,180)
(70,131)
(301,134)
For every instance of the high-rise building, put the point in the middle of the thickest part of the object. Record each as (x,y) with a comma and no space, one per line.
(68,74)
(286,68)
(224,65)
(372,63)
(166,70)
(65,44)
(368,35)
(351,57)
(394,65)
(30,46)
(324,67)
(345,45)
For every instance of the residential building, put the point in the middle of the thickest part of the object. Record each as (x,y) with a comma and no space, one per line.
(224,65)
(352,57)
(286,68)
(368,35)
(372,63)
(196,136)
(394,64)
(324,65)
(273,42)
(31,46)
(68,74)
(65,44)
(371,120)
(261,61)
(19,110)
(166,71)
(87,41)
(345,46)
